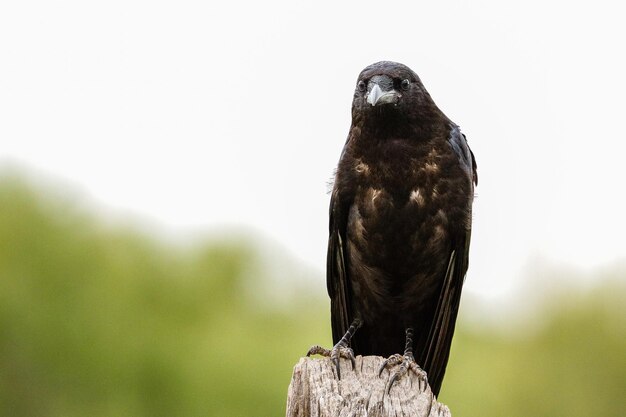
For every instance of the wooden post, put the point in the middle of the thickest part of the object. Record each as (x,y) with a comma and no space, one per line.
(315,391)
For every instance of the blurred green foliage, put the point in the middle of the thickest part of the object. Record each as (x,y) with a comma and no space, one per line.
(573,365)
(102,320)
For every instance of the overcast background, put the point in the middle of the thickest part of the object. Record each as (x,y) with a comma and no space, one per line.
(202,116)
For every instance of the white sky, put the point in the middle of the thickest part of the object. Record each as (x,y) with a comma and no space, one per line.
(200,115)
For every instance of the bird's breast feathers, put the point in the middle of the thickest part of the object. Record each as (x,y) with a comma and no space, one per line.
(406,197)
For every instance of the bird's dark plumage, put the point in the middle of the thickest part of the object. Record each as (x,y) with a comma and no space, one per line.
(400,221)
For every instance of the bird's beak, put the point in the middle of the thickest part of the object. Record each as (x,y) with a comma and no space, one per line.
(377,96)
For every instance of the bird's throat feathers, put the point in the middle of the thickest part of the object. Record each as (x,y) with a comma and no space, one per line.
(384,122)
(388,126)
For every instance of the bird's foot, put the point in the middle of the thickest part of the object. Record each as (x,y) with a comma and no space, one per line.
(340,350)
(407,363)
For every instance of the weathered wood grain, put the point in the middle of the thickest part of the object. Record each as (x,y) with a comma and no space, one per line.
(315,391)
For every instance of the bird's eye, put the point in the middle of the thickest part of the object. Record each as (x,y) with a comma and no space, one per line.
(361,86)
(405,84)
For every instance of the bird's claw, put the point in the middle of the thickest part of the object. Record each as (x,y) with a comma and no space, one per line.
(338,351)
(390,361)
(407,363)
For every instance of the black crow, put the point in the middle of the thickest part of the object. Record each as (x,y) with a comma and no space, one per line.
(400,224)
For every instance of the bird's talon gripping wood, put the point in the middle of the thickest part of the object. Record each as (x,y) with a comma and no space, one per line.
(405,364)
(318,350)
(340,350)
(400,225)
(394,359)
(337,352)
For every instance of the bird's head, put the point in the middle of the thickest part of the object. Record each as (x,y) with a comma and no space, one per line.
(390,89)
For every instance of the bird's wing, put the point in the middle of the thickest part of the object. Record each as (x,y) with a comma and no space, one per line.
(442,328)
(336,271)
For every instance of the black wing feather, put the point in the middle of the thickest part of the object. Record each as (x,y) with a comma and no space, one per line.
(437,350)
(442,327)
(336,276)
